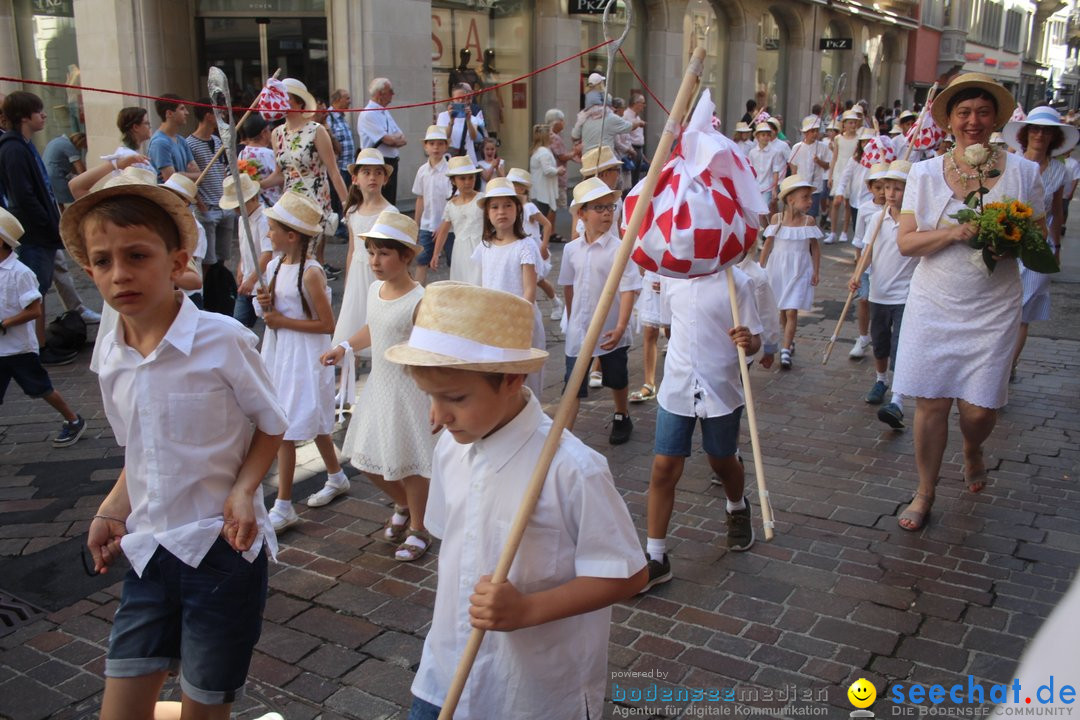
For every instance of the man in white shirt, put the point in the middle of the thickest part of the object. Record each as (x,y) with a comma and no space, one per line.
(375,127)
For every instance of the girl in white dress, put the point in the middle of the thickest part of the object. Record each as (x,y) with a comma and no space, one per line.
(370,173)
(390,439)
(791,256)
(296,309)
(465,218)
(538,228)
(508,259)
(490,164)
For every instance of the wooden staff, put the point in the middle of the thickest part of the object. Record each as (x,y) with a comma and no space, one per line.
(254,106)
(584,360)
(868,250)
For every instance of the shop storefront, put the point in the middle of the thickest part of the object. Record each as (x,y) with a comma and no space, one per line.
(48,51)
(701,28)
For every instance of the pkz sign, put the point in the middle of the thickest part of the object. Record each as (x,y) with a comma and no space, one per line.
(836,44)
(586,7)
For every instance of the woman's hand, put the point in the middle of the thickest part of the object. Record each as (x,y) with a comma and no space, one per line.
(332,357)
(963,233)
(264,300)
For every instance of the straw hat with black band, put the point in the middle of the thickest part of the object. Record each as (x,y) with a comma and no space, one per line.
(1004,100)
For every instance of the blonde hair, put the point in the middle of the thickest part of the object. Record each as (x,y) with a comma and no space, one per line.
(541,136)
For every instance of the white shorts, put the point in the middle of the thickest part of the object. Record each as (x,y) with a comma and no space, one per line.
(654,305)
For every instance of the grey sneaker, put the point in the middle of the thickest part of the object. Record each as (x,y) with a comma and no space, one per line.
(876,396)
(740,529)
(70,432)
(892,415)
(659,572)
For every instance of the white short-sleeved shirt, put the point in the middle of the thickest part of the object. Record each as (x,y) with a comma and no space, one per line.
(803,156)
(185,415)
(765,299)
(554,670)
(585,266)
(701,370)
(460,130)
(18,289)
(765,163)
(373,125)
(892,271)
(862,225)
(260,228)
(433,185)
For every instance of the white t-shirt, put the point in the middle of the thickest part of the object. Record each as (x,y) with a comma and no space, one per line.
(433,185)
(892,271)
(862,226)
(803,156)
(765,163)
(18,289)
(260,228)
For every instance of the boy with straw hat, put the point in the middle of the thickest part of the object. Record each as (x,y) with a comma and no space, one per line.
(249,268)
(432,190)
(552,616)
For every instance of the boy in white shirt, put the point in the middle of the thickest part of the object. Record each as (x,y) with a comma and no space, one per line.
(586,262)
(432,190)
(888,294)
(545,652)
(189,399)
(246,275)
(810,159)
(875,181)
(20,306)
(769,166)
(701,381)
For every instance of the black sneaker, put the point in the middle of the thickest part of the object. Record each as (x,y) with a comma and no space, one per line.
(892,415)
(659,572)
(740,529)
(621,427)
(54,357)
(70,432)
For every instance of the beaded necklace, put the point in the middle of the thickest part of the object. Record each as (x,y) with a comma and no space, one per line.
(979,173)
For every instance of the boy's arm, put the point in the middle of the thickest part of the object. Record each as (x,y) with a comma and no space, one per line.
(610,339)
(503,607)
(568,298)
(240,529)
(419,211)
(108,525)
(28,313)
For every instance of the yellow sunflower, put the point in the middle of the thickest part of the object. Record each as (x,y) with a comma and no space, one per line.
(1020,210)
(1012,233)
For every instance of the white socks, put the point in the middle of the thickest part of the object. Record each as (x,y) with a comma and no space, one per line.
(337,479)
(864,339)
(883,377)
(656,548)
(897,400)
(732,506)
(283,505)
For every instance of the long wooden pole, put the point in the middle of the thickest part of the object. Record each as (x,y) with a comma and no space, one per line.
(584,360)
(239,123)
(868,249)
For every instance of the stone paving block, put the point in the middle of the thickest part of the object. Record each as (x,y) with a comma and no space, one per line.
(875,640)
(331,661)
(721,664)
(79,652)
(312,687)
(271,671)
(344,630)
(396,648)
(385,680)
(934,654)
(357,704)
(27,699)
(82,686)
(284,643)
(300,583)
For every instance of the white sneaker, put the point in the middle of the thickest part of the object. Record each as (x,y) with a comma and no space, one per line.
(596,379)
(858,350)
(829,239)
(557,311)
(843,238)
(282,520)
(89,316)
(270,716)
(329,492)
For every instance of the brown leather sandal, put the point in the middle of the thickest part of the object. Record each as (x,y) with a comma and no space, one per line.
(408,552)
(918,519)
(395,532)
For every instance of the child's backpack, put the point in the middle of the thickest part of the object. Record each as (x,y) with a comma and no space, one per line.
(66,333)
(219,290)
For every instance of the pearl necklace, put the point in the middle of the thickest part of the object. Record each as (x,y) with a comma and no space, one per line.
(979,174)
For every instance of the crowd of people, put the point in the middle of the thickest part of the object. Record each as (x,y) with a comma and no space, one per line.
(451,405)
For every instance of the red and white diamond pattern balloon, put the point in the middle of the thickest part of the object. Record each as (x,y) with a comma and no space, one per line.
(273,101)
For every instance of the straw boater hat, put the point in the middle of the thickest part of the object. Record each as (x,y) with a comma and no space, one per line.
(461,166)
(299,89)
(898,170)
(520,177)
(132,175)
(792,183)
(851,115)
(833,126)
(743,127)
(371,156)
(597,160)
(456,328)
(436,132)
(71,220)
(498,187)
(907,115)
(997,138)
(865,133)
(775,122)
(588,190)
(183,186)
(392,225)
(895,129)
(10,229)
(248,189)
(810,122)
(297,212)
(877,172)
(1006,103)
(1043,116)
(762,127)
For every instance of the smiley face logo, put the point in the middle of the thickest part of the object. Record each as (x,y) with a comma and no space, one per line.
(862,693)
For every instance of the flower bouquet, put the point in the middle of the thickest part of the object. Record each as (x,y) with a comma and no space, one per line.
(1005,228)
(251,167)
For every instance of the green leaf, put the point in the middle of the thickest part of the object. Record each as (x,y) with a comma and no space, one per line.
(988,258)
(972,199)
(993,173)
(1040,260)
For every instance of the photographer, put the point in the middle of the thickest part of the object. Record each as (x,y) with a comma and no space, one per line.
(465,120)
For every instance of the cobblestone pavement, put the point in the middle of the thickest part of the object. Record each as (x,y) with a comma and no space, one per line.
(840,593)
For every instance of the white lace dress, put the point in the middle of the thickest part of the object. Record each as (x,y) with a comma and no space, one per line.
(960,325)
(501,270)
(1036,285)
(390,436)
(305,387)
(790,267)
(468,226)
(353,313)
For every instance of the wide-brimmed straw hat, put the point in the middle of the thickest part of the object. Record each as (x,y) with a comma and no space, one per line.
(10,229)
(792,183)
(299,89)
(1006,103)
(248,189)
(895,129)
(775,122)
(519,177)
(762,127)
(371,156)
(907,115)
(71,221)
(851,115)
(132,175)
(437,132)
(392,225)
(588,190)
(877,172)
(498,187)
(297,212)
(597,160)
(810,122)
(456,328)
(1044,116)
(743,127)
(184,186)
(461,166)
(898,170)
(865,133)
(997,138)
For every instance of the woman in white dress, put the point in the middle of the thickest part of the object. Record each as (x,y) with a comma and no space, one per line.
(960,324)
(1043,139)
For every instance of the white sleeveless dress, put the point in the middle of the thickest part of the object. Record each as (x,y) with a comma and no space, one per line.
(353,313)
(468,227)
(790,267)
(960,325)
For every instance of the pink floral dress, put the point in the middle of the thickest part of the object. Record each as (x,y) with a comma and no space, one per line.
(301,165)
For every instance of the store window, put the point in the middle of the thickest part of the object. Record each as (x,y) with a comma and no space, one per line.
(621,81)
(485,45)
(771,60)
(832,64)
(51,55)
(702,29)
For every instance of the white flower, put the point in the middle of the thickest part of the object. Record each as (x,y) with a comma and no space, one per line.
(975,155)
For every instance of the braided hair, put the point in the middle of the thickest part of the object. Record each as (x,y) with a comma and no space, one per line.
(305,240)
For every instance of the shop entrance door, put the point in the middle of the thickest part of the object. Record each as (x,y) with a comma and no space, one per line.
(250,49)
